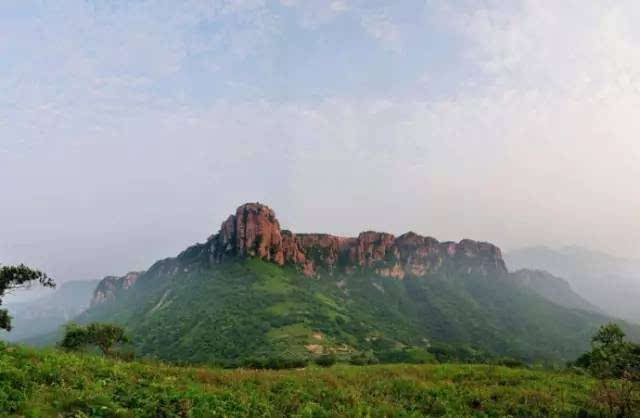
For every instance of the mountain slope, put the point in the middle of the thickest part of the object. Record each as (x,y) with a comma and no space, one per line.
(48,313)
(553,288)
(609,282)
(254,290)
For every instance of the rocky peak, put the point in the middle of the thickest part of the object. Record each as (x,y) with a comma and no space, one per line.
(111,285)
(254,231)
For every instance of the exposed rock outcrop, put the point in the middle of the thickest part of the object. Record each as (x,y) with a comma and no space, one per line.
(111,285)
(255,231)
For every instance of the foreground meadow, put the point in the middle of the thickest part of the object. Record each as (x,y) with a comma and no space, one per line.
(37,383)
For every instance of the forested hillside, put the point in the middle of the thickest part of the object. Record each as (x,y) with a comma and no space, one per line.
(254,291)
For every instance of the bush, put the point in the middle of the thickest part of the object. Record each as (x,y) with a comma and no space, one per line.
(326,360)
(410,355)
(611,356)
(124,355)
(363,359)
(510,362)
(103,336)
(275,363)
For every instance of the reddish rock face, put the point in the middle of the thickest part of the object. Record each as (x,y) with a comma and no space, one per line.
(110,285)
(291,248)
(254,231)
(373,247)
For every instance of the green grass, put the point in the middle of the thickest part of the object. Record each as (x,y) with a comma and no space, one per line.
(53,383)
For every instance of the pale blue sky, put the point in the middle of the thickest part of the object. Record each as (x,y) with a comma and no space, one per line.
(130,129)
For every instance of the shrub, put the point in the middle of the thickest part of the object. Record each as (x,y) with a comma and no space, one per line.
(611,356)
(616,363)
(510,362)
(103,336)
(411,355)
(363,359)
(326,360)
(275,363)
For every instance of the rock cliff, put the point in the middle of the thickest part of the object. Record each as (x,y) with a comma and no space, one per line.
(254,231)
(111,285)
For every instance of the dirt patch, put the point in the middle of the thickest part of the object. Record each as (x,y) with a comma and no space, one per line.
(315,348)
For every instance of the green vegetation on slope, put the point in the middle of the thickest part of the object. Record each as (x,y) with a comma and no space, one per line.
(53,383)
(186,310)
(554,289)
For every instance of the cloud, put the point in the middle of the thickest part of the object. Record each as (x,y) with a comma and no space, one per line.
(338,6)
(137,127)
(381,27)
(572,47)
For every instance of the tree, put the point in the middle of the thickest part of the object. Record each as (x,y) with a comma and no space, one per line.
(609,335)
(18,277)
(616,364)
(326,360)
(611,355)
(104,336)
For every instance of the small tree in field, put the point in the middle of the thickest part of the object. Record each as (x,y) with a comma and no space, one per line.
(18,277)
(616,364)
(104,336)
(611,356)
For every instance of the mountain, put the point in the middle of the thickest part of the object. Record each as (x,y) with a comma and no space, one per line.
(48,313)
(612,283)
(255,290)
(111,286)
(552,288)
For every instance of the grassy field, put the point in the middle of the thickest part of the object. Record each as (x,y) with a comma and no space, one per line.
(42,383)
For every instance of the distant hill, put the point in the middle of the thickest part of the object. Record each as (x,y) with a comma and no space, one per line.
(609,282)
(46,314)
(552,288)
(254,290)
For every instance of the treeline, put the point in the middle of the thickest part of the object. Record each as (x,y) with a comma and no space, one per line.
(111,340)
(407,355)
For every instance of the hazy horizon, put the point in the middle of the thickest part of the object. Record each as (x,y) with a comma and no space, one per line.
(130,130)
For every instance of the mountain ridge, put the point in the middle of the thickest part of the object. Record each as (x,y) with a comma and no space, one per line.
(255,290)
(610,282)
(255,231)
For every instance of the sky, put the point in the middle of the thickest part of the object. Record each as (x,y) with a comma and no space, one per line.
(130,129)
